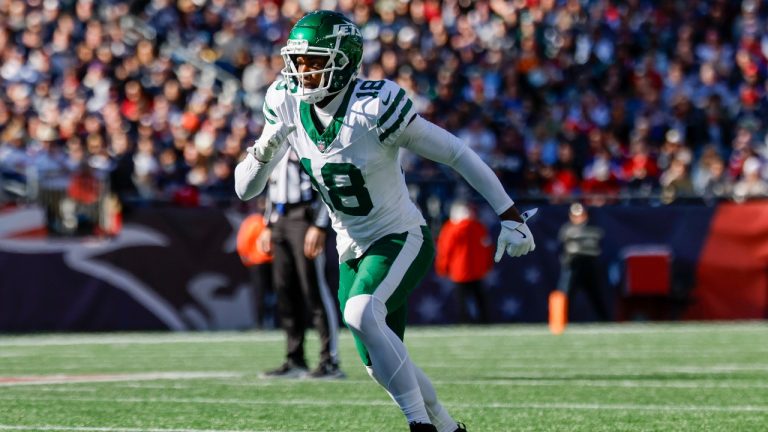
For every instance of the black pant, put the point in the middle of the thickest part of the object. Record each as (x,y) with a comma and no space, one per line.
(584,273)
(466,292)
(264,301)
(302,298)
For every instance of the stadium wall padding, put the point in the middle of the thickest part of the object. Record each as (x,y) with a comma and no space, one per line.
(732,272)
(177,269)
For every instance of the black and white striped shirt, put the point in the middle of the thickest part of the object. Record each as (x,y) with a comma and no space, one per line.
(289,185)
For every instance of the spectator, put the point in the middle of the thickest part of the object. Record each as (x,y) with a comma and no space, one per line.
(465,256)
(601,176)
(750,185)
(479,138)
(676,181)
(564,178)
(640,171)
(717,183)
(549,72)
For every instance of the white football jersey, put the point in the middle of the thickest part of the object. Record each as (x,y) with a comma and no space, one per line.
(353,162)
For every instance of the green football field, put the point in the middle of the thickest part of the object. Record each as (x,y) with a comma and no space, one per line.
(622,377)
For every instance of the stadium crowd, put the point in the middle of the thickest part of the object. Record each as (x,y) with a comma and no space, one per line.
(560,97)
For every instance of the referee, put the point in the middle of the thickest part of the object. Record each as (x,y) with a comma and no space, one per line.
(297,221)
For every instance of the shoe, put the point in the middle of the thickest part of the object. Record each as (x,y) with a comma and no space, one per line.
(461,427)
(327,370)
(289,369)
(422,427)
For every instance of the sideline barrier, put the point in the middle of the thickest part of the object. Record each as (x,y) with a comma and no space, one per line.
(174,268)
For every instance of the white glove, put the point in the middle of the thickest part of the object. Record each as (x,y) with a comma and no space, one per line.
(266,146)
(515,237)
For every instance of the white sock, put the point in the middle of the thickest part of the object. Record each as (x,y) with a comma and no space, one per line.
(390,366)
(412,406)
(437,413)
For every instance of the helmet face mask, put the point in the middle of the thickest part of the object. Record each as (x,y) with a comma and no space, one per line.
(327,34)
(296,78)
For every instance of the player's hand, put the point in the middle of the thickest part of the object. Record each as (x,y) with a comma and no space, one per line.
(515,237)
(314,242)
(264,241)
(266,146)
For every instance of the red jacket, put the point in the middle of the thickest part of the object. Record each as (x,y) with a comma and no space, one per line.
(464,251)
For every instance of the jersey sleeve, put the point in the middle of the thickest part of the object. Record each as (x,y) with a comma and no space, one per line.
(395,112)
(274,101)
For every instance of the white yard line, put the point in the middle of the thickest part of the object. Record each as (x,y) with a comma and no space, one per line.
(25,380)
(57,389)
(515,383)
(463,346)
(146,339)
(696,385)
(520,351)
(568,359)
(370,403)
(415,333)
(116,429)
(564,370)
(502,375)
(588,329)
(626,384)
(621,407)
(15,354)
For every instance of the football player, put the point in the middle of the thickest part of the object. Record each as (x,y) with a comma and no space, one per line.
(347,133)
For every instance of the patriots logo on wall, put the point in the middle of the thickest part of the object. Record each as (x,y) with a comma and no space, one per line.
(167,269)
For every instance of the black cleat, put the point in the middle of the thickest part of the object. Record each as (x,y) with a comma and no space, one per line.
(289,369)
(422,427)
(461,427)
(327,370)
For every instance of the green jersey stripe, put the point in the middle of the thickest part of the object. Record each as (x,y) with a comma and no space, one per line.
(268,110)
(383,137)
(269,115)
(391,109)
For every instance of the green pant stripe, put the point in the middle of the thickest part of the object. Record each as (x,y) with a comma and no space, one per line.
(393,281)
(417,269)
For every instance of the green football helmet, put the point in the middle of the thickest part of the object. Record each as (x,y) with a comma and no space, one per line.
(329,34)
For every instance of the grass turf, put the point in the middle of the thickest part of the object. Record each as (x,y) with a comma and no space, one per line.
(621,377)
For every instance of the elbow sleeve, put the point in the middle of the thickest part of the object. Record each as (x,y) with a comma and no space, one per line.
(435,143)
(250,178)
(482,178)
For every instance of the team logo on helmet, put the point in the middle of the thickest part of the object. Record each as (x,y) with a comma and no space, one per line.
(346,30)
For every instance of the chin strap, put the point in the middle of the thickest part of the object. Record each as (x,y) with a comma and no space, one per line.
(328,95)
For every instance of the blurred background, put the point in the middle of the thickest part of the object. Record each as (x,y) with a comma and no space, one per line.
(121,123)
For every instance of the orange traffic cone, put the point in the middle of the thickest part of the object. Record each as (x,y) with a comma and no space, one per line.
(558,312)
